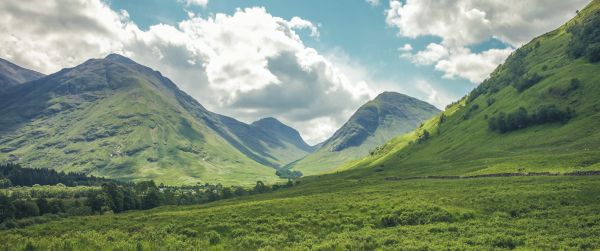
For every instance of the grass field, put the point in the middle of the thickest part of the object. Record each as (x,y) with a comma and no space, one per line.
(340,212)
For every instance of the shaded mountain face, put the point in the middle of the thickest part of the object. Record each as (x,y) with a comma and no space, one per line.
(12,75)
(116,118)
(388,115)
(285,133)
(537,112)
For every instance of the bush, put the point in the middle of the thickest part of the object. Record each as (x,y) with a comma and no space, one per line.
(593,53)
(26,209)
(527,82)
(416,216)
(213,237)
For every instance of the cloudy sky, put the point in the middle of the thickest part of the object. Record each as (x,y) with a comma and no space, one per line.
(309,63)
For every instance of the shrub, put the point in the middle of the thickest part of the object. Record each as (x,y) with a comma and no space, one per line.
(213,237)
(416,216)
(527,82)
(593,52)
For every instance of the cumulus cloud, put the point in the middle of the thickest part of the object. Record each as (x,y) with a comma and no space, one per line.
(474,67)
(463,23)
(406,47)
(247,65)
(432,54)
(202,3)
(434,96)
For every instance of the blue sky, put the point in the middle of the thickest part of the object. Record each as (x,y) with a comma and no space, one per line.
(308,63)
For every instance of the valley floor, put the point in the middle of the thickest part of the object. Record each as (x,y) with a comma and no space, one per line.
(341,213)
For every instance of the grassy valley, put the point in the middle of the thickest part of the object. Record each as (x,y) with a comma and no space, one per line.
(513,165)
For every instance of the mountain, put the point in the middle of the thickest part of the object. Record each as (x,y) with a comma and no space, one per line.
(12,74)
(295,147)
(388,115)
(113,117)
(537,112)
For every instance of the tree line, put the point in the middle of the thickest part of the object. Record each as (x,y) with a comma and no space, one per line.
(12,174)
(520,118)
(16,206)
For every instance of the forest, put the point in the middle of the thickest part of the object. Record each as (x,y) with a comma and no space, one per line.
(32,196)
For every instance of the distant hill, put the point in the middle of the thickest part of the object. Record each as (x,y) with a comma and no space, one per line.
(12,75)
(113,117)
(539,111)
(388,115)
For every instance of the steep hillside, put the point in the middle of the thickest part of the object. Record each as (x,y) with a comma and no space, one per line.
(116,118)
(12,74)
(539,111)
(293,146)
(388,115)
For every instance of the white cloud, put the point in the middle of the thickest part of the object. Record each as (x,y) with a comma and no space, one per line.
(247,65)
(463,23)
(373,2)
(432,54)
(434,96)
(299,23)
(406,48)
(201,3)
(474,67)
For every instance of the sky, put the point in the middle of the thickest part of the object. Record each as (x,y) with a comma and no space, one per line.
(308,63)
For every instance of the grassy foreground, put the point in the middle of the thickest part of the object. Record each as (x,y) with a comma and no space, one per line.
(339,212)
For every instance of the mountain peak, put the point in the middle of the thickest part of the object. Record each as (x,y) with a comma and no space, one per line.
(119,58)
(391,95)
(268,120)
(275,127)
(397,112)
(12,74)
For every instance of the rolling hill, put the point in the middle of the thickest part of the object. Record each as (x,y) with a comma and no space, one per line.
(388,115)
(537,112)
(12,75)
(113,117)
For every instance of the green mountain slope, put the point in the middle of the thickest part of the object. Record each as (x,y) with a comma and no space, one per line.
(539,111)
(116,118)
(12,74)
(388,115)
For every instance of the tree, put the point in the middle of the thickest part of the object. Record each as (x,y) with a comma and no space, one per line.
(130,199)
(240,191)
(151,199)
(227,193)
(260,187)
(116,196)
(7,209)
(99,201)
(26,208)
(5,183)
(42,204)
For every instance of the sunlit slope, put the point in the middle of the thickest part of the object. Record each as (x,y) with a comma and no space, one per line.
(558,128)
(115,118)
(388,115)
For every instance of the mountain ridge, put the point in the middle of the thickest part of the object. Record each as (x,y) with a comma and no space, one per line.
(12,75)
(380,119)
(116,118)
